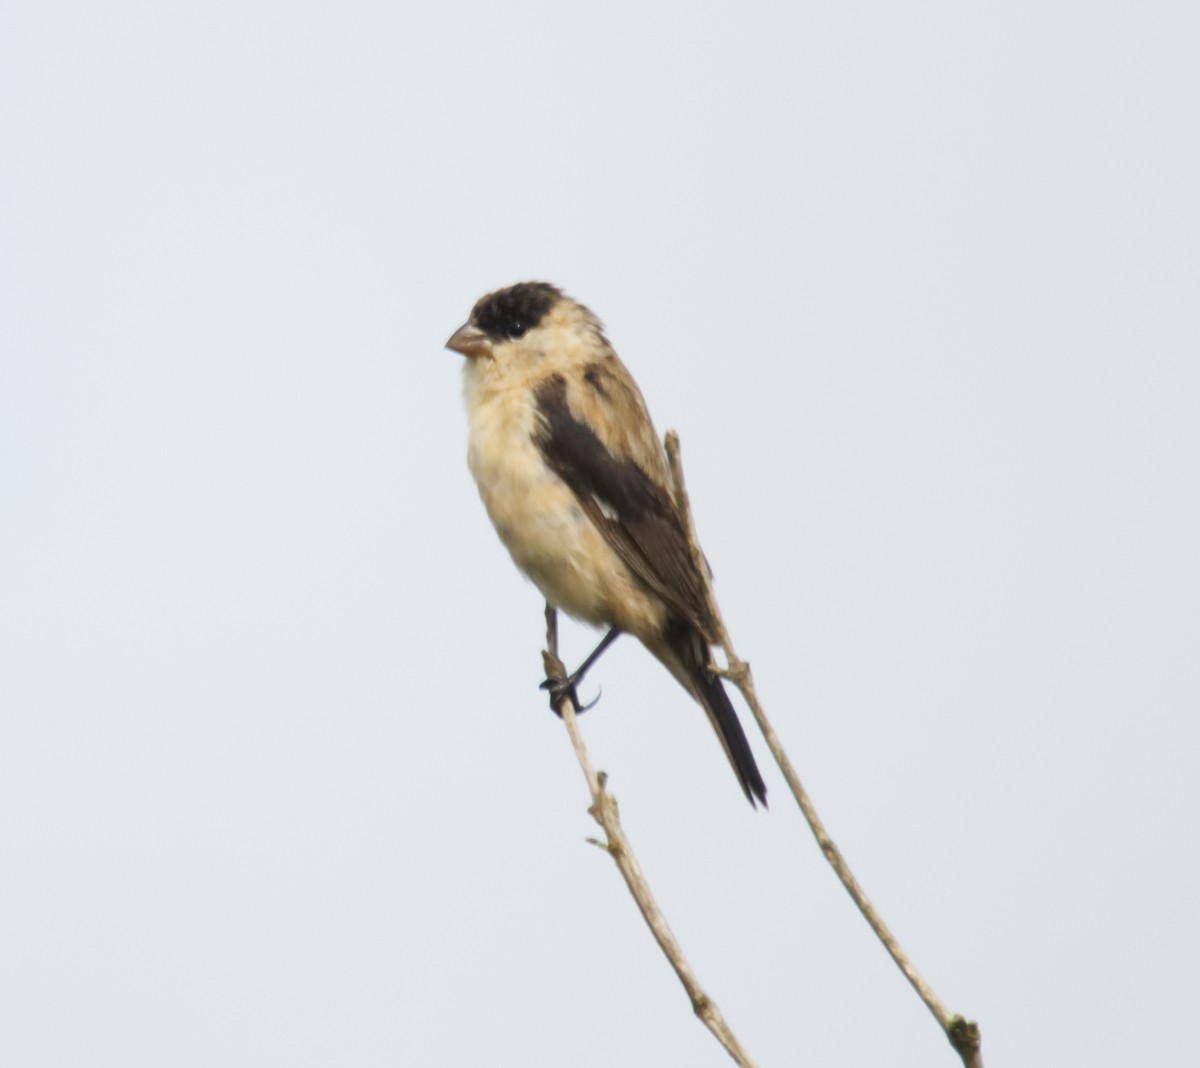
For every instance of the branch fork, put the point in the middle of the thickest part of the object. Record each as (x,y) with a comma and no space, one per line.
(962,1034)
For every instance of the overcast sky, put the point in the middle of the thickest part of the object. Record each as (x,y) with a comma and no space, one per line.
(917,284)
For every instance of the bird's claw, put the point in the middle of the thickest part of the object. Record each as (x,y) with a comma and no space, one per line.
(561,688)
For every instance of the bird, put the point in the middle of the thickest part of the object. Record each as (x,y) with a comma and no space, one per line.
(576,483)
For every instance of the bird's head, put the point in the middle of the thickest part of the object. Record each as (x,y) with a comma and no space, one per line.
(529,328)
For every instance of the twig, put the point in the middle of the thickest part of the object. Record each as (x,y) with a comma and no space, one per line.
(604,811)
(963,1035)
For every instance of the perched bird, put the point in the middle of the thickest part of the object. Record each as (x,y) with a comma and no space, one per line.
(576,483)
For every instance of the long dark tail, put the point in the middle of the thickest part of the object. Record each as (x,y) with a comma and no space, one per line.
(687,658)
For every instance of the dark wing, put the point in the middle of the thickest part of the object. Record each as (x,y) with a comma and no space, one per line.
(636,515)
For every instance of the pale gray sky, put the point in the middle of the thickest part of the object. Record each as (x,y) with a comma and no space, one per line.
(918,287)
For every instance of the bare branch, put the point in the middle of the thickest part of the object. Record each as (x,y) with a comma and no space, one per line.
(604,811)
(963,1035)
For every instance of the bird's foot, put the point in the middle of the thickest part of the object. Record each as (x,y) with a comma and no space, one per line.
(561,689)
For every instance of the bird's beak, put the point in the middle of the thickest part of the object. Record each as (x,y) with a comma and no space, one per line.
(470,341)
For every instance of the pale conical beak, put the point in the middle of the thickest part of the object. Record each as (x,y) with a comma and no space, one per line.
(470,341)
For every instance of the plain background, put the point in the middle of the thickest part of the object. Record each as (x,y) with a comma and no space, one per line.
(918,287)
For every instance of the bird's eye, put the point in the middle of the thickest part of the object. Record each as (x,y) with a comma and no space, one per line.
(517,327)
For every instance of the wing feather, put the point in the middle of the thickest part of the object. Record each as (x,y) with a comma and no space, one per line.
(633,511)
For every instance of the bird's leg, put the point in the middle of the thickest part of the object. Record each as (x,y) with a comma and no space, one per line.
(560,687)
